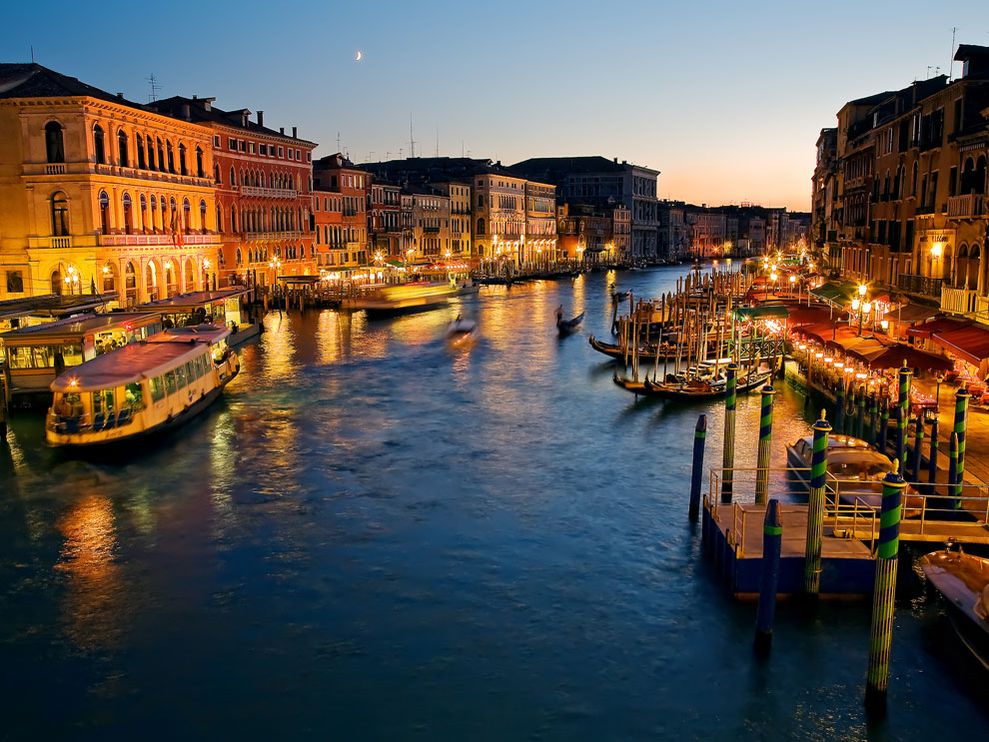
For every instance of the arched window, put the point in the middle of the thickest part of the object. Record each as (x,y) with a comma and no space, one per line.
(480,226)
(219,220)
(161,156)
(60,215)
(171,156)
(104,213)
(216,173)
(233,177)
(202,216)
(109,272)
(151,154)
(913,182)
(182,167)
(54,146)
(56,282)
(122,149)
(130,284)
(240,256)
(144,212)
(200,169)
(139,143)
(99,146)
(233,219)
(154,213)
(128,214)
(186,216)
(190,275)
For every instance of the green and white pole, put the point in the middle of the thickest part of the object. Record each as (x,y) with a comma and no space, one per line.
(765,442)
(903,400)
(860,419)
(815,509)
(728,457)
(884,593)
(961,422)
(873,417)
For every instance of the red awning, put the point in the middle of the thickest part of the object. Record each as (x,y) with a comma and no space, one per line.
(894,355)
(938,325)
(970,342)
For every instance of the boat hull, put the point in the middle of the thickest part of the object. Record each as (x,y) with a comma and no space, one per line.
(962,580)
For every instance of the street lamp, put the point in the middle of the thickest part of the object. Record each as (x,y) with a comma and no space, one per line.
(793,280)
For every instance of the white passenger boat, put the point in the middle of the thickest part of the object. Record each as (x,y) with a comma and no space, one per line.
(144,388)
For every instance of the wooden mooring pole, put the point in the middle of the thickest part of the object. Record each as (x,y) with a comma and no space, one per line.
(772,542)
(697,467)
(815,507)
(884,593)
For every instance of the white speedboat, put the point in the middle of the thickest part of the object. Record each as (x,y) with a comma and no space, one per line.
(963,582)
(142,389)
(460,330)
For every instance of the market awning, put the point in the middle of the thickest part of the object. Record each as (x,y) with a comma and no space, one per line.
(911,313)
(764,311)
(894,356)
(970,343)
(395,263)
(837,292)
(941,324)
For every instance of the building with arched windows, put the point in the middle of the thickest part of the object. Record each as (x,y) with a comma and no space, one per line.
(263,182)
(98,193)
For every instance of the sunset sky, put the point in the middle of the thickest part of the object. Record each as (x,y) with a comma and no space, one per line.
(725,98)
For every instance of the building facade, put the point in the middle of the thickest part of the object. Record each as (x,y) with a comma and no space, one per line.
(336,174)
(263,182)
(430,225)
(98,192)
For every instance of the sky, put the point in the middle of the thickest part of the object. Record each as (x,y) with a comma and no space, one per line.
(726,99)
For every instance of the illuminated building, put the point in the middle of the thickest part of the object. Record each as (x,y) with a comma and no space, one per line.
(499,214)
(263,184)
(460,217)
(100,192)
(430,224)
(384,218)
(336,174)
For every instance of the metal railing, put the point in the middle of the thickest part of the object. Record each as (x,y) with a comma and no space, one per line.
(924,285)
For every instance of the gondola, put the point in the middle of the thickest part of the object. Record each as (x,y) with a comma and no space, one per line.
(636,387)
(645,354)
(699,389)
(567,326)
(618,296)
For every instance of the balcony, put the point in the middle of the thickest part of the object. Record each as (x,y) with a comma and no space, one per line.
(273,236)
(969,206)
(921,285)
(152,240)
(966,302)
(259,192)
(90,168)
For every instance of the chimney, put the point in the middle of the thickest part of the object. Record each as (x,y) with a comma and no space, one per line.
(281,130)
(120,95)
(243,119)
(195,97)
(616,160)
(186,112)
(260,118)
(295,132)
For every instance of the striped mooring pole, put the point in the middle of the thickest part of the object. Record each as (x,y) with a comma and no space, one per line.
(839,408)
(815,509)
(697,467)
(884,592)
(728,457)
(918,441)
(932,457)
(873,418)
(905,375)
(961,422)
(901,436)
(953,490)
(765,442)
(772,542)
(881,439)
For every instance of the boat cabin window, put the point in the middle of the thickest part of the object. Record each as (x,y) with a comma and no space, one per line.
(43,356)
(170,383)
(157,388)
(192,371)
(69,404)
(103,402)
(181,379)
(134,395)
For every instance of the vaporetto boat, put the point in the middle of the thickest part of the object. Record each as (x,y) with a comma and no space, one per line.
(142,389)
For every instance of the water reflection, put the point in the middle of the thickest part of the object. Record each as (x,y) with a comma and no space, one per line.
(95,617)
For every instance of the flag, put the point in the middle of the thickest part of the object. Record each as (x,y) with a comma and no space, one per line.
(174,226)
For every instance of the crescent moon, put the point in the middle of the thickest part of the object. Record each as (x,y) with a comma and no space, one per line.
(358,56)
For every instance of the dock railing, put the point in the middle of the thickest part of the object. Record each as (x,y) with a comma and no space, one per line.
(852,507)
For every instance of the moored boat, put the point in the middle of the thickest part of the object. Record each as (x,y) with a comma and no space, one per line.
(698,389)
(666,350)
(963,581)
(144,388)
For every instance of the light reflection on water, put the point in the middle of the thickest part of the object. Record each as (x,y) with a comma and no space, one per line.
(374,534)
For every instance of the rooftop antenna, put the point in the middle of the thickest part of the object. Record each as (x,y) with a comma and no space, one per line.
(412,141)
(32,53)
(338,142)
(437,141)
(154,86)
(387,155)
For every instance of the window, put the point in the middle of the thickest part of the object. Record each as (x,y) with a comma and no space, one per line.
(60,215)
(151,154)
(171,157)
(170,383)
(134,396)
(216,141)
(128,214)
(139,141)
(122,149)
(157,388)
(104,202)
(232,144)
(200,172)
(183,170)
(290,154)
(54,146)
(181,378)
(281,152)
(15,282)
(99,147)
(241,145)
(480,226)
(263,149)
(202,215)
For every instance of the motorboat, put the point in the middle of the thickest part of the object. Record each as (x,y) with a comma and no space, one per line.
(406,298)
(144,388)
(855,471)
(963,581)
(460,330)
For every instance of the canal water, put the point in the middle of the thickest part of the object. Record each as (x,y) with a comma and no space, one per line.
(375,536)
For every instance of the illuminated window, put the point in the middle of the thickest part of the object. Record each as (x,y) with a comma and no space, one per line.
(54,145)
(60,215)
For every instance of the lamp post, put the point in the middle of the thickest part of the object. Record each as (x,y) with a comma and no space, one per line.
(793,281)
(937,394)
